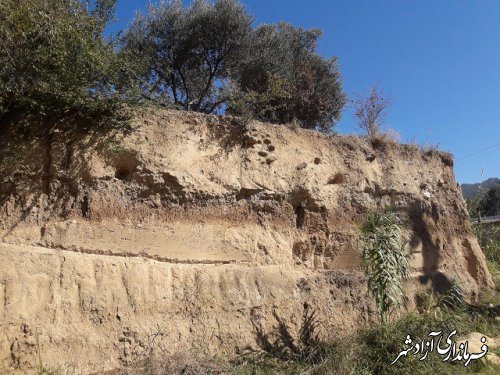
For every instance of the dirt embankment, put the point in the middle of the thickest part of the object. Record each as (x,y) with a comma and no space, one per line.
(195,234)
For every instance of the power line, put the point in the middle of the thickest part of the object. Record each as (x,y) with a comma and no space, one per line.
(477,152)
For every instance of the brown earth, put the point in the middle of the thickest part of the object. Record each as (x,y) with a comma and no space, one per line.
(197,234)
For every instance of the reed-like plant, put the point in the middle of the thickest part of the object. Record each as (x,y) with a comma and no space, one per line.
(385,261)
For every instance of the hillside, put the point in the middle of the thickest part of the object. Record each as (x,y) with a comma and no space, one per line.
(198,234)
(471,190)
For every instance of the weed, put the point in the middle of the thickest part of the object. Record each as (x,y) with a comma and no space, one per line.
(118,148)
(385,262)
(430,149)
(489,239)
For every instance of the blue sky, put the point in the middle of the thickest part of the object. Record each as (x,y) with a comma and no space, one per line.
(438,60)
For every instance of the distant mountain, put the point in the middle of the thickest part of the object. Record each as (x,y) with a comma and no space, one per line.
(470,190)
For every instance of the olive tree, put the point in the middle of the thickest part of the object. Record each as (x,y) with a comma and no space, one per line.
(188,54)
(282,79)
(206,57)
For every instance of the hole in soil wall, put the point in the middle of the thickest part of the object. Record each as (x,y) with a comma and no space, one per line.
(125,165)
(122,173)
(300,216)
(85,206)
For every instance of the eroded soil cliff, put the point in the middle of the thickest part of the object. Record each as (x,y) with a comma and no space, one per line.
(197,234)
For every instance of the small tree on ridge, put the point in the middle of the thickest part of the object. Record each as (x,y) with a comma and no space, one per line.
(371,112)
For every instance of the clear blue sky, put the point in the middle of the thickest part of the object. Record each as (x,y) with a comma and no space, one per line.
(439,60)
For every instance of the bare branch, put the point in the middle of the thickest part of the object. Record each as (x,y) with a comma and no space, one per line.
(371,112)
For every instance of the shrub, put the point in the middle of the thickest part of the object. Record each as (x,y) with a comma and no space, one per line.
(54,58)
(266,105)
(490,203)
(287,80)
(489,239)
(385,262)
(371,112)
(371,350)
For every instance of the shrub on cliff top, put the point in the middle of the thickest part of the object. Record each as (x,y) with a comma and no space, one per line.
(371,112)
(282,79)
(205,57)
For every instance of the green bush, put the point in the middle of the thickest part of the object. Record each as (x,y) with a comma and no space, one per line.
(205,57)
(54,59)
(385,262)
(371,351)
(488,237)
(288,79)
(490,204)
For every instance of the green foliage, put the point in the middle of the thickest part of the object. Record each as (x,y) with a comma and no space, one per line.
(385,262)
(370,351)
(472,207)
(186,55)
(488,237)
(265,105)
(484,202)
(283,79)
(453,298)
(207,58)
(429,302)
(53,57)
(490,204)
(474,204)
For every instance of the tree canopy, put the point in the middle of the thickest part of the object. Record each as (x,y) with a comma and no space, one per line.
(54,57)
(206,57)
(189,53)
(283,79)
(490,203)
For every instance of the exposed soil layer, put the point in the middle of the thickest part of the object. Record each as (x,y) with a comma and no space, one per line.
(198,234)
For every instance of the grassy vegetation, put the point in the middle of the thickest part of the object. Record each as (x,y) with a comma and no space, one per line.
(489,239)
(370,351)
